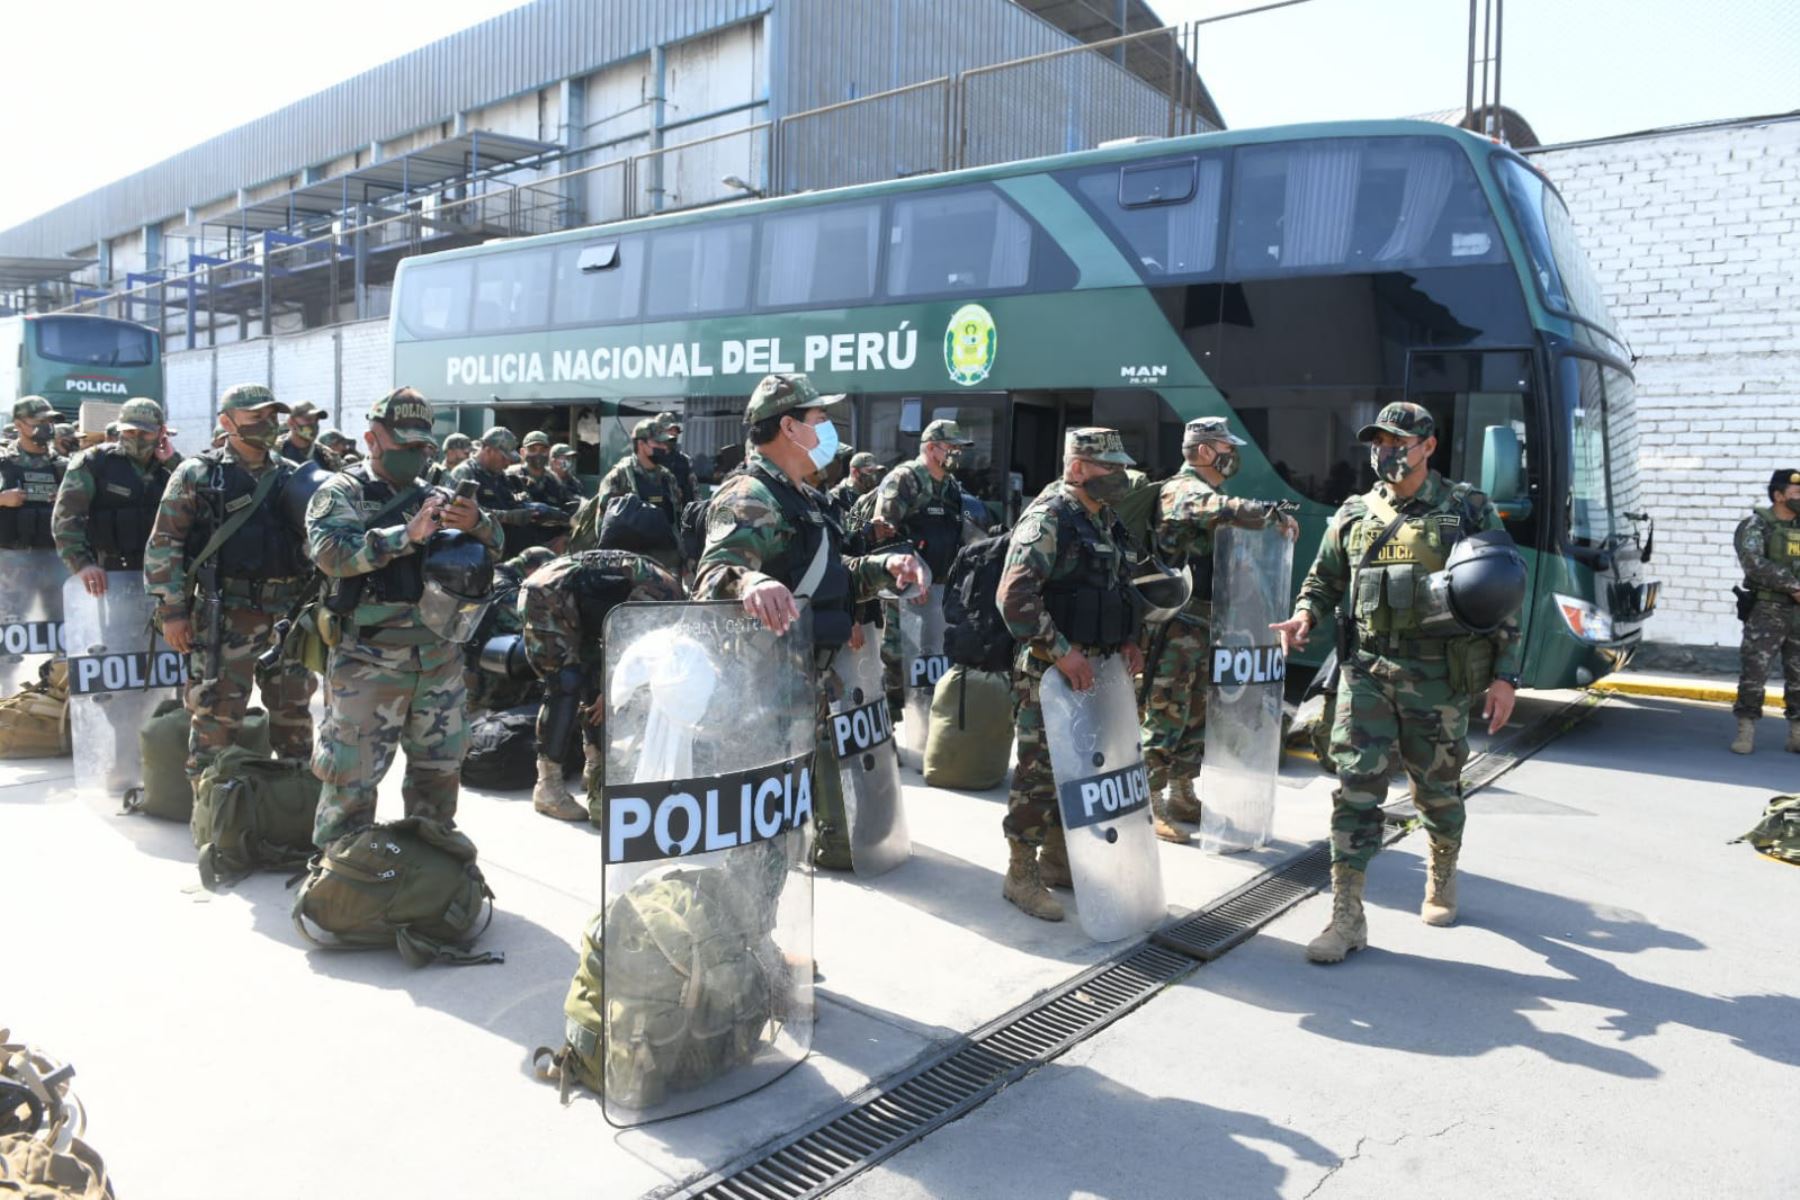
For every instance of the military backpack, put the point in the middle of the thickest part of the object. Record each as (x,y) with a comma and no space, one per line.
(34,722)
(167,792)
(252,813)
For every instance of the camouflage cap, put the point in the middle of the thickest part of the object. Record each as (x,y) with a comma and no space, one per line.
(458,441)
(1401,419)
(1209,429)
(141,413)
(562,450)
(862,460)
(407,415)
(1097,445)
(669,421)
(64,430)
(241,397)
(536,437)
(945,431)
(503,440)
(784,393)
(647,430)
(33,406)
(306,410)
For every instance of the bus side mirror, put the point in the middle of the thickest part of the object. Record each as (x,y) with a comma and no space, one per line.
(1503,470)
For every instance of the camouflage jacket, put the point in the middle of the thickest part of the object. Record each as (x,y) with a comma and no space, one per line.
(1188,509)
(844,495)
(498,493)
(543,489)
(554,636)
(572,484)
(1034,558)
(627,478)
(75,499)
(1755,533)
(908,488)
(745,529)
(1329,577)
(166,557)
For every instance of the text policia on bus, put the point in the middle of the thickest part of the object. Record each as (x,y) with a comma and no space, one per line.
(1295,280)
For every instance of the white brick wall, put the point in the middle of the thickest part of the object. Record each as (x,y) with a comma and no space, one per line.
(368,374)
(1696,236)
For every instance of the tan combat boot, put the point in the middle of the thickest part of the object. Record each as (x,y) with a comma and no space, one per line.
(1166,829)
(596,767)
(1348,929)
(1024,888)
(1793,742)
(1440,887)
(1184,805)
(551,798)
(1745,742)
(1053,860)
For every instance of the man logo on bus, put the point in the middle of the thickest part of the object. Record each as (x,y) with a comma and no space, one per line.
(970,345)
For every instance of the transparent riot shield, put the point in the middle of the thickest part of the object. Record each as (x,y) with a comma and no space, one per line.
(1103,793)
(707,930)
(922,663)
(31,608)
(862,737)
(119,670)
(1245,669)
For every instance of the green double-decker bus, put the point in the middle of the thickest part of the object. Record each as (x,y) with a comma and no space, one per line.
(1293,279)
(70,358)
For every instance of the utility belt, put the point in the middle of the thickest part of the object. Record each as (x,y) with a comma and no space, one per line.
(1468,661)
(271,592)
(1424,649)
(396,636)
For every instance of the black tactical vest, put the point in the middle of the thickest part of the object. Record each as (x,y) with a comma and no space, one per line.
(1091,606)
(831,600)
(27,527)
(402,581)
(495,493)
(658,493)
(123,508)
(264,547)
(936,530)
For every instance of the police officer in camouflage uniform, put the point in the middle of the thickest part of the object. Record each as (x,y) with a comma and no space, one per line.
(641,473)
(921,502)
(1768,548)
(863,477)
(1190,505)
(1401,695)
(679,464)
(496,492)
(31,471)
(262,569)
(562,465)
(1064,595)
(564,606)
(300,440)
(763,531)
(67,443)
(488,691)
(109,495)
(391,682)
(455,452)
(534,480)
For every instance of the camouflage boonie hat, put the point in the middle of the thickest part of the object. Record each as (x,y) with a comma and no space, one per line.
(306,410)
(562,450)
(945,431)
(647,430)
(777,394)
(33,406)
(140,413)
(1097,445)
(407,415)
(862,460)
(502,439)
(458,441)
(536,437)
(241,397)
(669,422)
(1209,429)
(1400,419)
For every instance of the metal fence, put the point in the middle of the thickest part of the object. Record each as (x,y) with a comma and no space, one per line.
(1070,99)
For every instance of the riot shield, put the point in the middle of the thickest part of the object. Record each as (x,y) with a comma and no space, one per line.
(1103,793)
(922,663)
(31,608)
(119,670)
(861,733)
(707,930)
(1245,665)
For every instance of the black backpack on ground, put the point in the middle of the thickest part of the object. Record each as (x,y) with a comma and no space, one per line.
(975,636)
(502,750)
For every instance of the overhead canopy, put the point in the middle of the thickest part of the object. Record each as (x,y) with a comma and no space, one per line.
(18,272)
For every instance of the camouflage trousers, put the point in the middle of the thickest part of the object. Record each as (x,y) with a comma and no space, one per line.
(1031,801)
(217,706)
(1174,719)
(890,653)
(371,711)
(1387,708)
(1772,629)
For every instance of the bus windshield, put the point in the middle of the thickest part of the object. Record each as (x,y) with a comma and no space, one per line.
(1562,270)
(1603,452)
(95,343)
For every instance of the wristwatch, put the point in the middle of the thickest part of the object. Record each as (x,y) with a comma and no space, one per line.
(1509,680)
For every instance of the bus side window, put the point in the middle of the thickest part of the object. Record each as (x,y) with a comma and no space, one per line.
(1166,213)
(435,300)
(956,242)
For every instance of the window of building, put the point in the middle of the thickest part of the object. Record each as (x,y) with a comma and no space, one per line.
(435,299)
(1164,216)
(820,256)
(512,291)
(951,243)
(699,269)
(604,293)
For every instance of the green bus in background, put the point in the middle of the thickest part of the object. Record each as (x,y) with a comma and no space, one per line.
(1294,279)
(69,359)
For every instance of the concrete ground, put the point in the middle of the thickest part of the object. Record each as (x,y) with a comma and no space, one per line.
(1608,980)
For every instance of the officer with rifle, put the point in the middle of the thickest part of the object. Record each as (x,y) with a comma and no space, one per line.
(220,565)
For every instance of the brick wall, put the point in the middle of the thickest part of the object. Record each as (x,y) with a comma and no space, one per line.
(1696,235)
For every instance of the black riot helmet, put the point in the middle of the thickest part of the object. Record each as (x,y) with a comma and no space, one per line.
(298,491)
(1482,584)
(459,584)
(1161,591)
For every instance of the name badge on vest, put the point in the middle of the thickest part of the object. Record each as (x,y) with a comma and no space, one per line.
(232,506)
(118,490)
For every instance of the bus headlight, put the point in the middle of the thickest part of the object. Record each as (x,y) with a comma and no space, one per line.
(1584,620)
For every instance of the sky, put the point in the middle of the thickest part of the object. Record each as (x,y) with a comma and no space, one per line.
(136,83)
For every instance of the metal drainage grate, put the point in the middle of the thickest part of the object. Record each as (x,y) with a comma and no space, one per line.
(1234,919)
(886,1119)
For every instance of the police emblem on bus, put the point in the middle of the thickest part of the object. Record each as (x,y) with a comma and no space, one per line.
(971,343)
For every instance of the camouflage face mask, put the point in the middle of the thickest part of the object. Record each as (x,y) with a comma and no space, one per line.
(262,432)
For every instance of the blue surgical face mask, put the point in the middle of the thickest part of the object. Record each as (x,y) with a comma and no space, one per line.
(827,448)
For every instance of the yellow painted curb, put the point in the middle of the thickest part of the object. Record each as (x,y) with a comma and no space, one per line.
(1717,693)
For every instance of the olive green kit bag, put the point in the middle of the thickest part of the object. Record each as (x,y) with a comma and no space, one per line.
(163,745)
(252,813)
(1778,833)
(969,743)
(411,885)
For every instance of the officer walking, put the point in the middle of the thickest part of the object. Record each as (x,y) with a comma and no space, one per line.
(221,511)
(296,445)
(562,465)
(1768,549)
(679,464)
(109,495)
(1189,506)
(534,480)
(455,453)
(30,472)
(394,679)
(1403,692)
(1065,596)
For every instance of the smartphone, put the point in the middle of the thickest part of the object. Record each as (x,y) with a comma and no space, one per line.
(466,489)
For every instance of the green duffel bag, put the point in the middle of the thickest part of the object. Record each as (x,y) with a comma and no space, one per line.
(252,813)
(411,885)
(163,744)
(1778,833)
(969,743)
